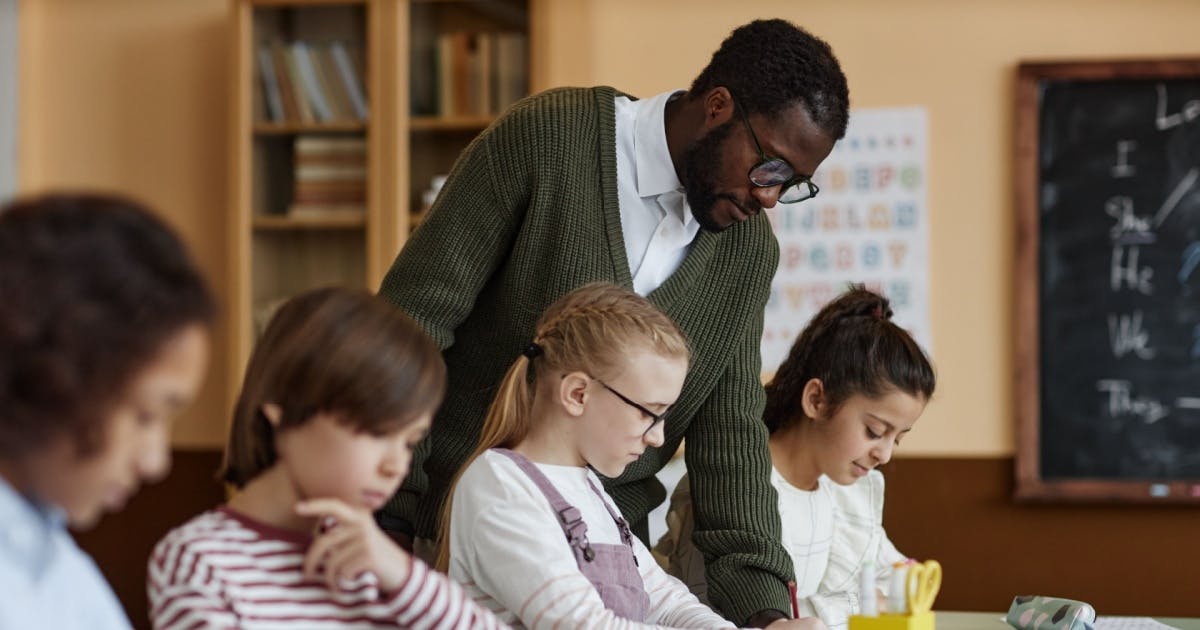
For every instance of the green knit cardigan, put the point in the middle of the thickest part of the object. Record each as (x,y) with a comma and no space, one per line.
(530,212)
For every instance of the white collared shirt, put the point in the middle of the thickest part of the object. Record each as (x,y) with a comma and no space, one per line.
(46,581)
(656,221)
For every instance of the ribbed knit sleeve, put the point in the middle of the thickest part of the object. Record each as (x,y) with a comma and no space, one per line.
(445,263)
(737,522)
(467,234)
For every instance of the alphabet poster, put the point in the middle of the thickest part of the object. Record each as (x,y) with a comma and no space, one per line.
(868,224)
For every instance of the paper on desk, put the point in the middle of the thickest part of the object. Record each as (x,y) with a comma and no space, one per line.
(1129,623)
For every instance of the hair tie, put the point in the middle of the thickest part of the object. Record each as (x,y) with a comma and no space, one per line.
(878,312)
(532,351)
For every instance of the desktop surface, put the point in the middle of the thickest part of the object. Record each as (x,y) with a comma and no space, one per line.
(995,621)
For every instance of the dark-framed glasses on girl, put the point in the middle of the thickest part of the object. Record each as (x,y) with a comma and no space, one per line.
(656,418)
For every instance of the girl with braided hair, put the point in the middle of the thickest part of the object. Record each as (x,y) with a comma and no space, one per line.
(851,388)
(529,530)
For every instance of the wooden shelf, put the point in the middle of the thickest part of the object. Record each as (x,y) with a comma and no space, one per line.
(290,129)
(304,3)
(450,123)
(274,254)
(284,223)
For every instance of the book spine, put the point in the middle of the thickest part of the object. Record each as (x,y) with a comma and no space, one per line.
(312,86)
(331,86)
(350,80)
(266,69)
(298,91)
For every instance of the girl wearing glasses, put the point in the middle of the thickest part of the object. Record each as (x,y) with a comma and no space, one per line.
(851,388)
(529,529)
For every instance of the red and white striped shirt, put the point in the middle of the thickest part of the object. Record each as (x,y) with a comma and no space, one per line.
(225,570)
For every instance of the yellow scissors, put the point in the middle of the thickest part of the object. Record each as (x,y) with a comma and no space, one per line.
(922,585)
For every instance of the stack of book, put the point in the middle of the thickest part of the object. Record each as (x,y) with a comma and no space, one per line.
(330,177)
(305,83)
(473,74)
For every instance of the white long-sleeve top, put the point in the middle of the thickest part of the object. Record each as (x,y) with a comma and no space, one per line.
(833,545)
(509,553)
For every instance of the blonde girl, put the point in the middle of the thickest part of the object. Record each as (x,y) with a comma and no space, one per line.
(530,532)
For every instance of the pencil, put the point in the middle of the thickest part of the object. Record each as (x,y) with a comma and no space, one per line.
(795,602)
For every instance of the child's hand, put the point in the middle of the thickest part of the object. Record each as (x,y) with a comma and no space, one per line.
(805,623)
(350,544)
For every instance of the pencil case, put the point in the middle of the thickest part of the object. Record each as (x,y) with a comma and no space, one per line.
(1035,612)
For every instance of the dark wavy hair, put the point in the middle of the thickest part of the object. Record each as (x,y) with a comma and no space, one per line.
(91,287)
(854,348)
(769,65)
(338,351)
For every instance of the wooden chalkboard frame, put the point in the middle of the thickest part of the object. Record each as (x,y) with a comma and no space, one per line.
(1030,486)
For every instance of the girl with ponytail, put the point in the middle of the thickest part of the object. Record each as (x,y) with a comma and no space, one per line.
(529,530)
(851,388)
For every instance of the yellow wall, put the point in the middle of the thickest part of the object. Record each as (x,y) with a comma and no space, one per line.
(957,59)
(132,94)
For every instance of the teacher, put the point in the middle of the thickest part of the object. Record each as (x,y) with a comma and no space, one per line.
(664,196)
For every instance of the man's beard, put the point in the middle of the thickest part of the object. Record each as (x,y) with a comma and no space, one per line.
(701,170)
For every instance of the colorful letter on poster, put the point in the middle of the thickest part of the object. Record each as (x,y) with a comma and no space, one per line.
(868,224)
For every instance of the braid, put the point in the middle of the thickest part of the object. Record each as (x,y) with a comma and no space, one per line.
(592,325)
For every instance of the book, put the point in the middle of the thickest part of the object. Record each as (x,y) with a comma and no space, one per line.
(271,94)
(328,172)
(331,85)
(326,211)
(310,144)
(296,88)
(482,74)
(312,86)
(512,69)
(351,81)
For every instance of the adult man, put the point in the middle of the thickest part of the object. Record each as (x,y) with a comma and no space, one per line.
(576,185)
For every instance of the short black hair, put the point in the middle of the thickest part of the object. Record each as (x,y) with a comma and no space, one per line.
(91,287)
(770,65)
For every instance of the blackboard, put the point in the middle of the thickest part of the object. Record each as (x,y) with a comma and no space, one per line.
(1107,276)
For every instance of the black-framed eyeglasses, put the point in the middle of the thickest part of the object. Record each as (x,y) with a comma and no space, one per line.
(773,171)
(658,418)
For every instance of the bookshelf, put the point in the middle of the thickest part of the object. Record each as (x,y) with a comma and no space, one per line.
(468,61)
(315,194)
(324,189)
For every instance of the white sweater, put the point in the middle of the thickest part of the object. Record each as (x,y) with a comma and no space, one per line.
(510,554)
(858,537)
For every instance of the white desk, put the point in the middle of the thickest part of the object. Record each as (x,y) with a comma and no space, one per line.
(995,621)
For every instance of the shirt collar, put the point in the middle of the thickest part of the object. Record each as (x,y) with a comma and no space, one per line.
(655,171)
(27,529)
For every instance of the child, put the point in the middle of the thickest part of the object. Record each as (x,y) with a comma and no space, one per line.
(104,334)
(338,391)
(530,532)
(851,388)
